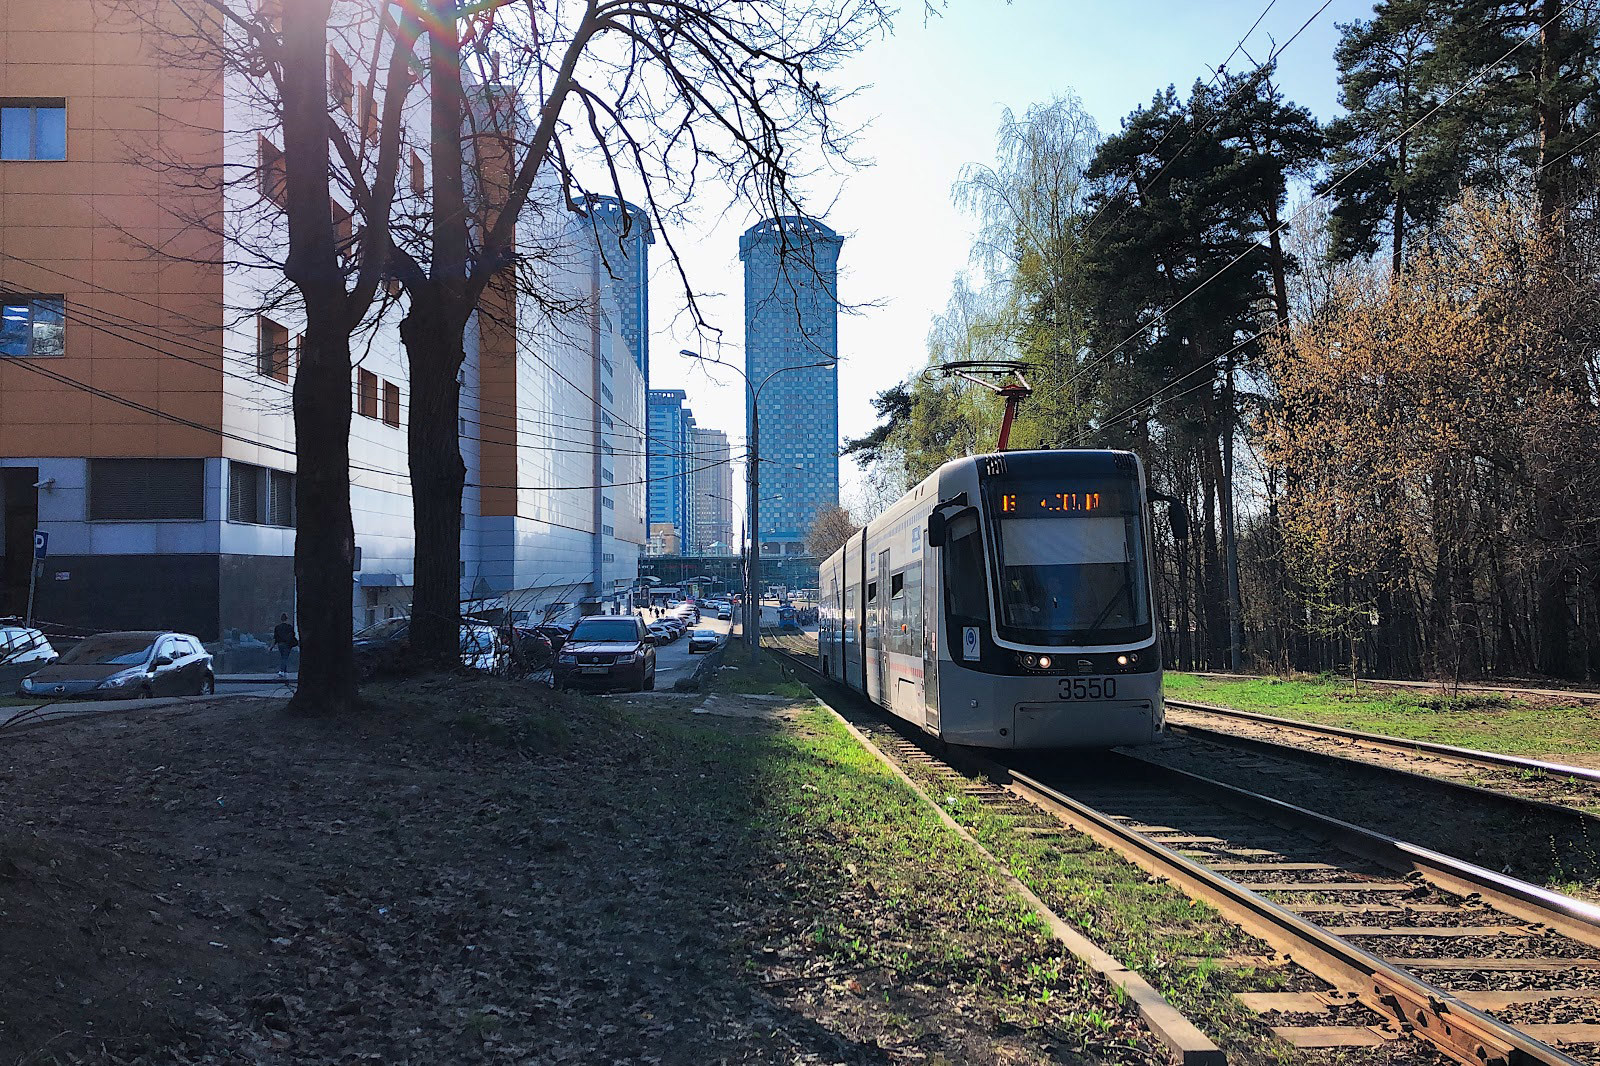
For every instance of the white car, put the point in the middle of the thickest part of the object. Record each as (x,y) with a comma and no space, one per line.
(22,651)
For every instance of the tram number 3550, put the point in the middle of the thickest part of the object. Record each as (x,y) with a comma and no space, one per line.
(1087,688)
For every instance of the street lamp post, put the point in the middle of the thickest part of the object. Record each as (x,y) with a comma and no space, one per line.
(752,581)
(745,556)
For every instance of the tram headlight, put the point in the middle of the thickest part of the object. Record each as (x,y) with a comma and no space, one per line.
(1030,661)
(1044,662)
(1122,660)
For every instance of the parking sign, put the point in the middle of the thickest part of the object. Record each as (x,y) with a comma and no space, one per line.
(41,543)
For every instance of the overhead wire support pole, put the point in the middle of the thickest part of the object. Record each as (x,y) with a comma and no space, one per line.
(752,579)
(1012,386)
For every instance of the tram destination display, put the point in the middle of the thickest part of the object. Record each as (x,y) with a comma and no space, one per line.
(1053,501)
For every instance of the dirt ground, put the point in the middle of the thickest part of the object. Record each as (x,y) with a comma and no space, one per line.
(457,877)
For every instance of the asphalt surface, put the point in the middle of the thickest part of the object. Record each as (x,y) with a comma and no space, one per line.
(673,661)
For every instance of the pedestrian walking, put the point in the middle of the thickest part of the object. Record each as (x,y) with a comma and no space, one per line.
(284,639)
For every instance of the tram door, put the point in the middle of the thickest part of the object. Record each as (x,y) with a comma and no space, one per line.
(881,624)
(929,588)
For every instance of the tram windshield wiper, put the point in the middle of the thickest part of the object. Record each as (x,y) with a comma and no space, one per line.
(1106,611)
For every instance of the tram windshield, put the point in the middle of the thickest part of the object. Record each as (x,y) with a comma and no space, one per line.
(1070,561)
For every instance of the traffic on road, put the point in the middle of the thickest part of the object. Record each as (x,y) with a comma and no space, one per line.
(654,646)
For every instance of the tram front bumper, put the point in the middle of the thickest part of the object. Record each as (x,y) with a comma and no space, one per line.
(1085,724)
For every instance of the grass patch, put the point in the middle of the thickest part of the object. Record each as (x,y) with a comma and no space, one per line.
(1515,725)
(760,674)
(891,893)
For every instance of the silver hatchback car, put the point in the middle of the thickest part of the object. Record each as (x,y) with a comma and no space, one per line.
(113,666)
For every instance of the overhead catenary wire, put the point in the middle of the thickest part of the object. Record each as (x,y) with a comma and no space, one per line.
(246,356)
(108,322)
(93,320)
(1221,69)
(32,366)
(1471,82)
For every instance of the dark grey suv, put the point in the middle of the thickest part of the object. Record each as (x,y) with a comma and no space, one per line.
(608,651)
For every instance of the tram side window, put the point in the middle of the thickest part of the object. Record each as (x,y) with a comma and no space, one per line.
(913,610)
(896,640)
(964,571)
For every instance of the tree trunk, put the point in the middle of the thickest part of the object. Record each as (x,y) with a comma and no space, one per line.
(324,543)
(434,351)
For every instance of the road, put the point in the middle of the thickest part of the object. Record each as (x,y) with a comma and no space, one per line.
(673,661)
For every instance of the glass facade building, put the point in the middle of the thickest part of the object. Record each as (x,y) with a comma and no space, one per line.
(671,428)
(791,319)
(623,232)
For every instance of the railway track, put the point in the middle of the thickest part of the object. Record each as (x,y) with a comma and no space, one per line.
(1576,787)
(1399,939)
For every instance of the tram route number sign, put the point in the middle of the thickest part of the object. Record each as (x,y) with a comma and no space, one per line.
(1086,688)
(969,642)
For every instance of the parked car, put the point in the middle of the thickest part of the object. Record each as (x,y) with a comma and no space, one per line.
(385,647)
(704,640)
(483,648)
(555,633)
(22,651)
(134,665)
(663,634)
(724,613)
(608,651)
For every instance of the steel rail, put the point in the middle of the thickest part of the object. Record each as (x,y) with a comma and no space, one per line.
(1526,806)
(1468,755)
(1438,1017)
(1444,1020)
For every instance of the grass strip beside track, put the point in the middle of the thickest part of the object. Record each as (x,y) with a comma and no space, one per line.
(1182,947)
(1549,727)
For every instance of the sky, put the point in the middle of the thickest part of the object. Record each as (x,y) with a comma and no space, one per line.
(933,98)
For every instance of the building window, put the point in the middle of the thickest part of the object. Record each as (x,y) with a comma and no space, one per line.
(272,349)
(609,531)
(244,492)
(280,498)
(33,129)
(419,176)
(341,84)
(135,490)
(369,115)
(272,175)
(260,496)
(607,501)
(32,326)
(391,403)
(366,393)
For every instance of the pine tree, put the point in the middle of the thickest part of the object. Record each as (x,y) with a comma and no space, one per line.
(1389,79)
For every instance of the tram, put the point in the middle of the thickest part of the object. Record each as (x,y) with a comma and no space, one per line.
(1006,602)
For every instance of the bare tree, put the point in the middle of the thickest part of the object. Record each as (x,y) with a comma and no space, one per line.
(277,53)
(829,530)
(644,100)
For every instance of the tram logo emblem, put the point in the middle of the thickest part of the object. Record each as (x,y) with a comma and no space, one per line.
(969,642)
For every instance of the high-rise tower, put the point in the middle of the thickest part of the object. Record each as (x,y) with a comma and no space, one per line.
(791,319)
(624,233)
